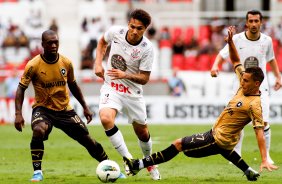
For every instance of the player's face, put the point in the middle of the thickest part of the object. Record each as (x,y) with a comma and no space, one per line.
(50,44)
(248,84)
(136,31)
(253,23)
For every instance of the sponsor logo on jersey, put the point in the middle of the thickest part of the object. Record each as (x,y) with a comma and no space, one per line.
(118,62)
(53,84)
(251,62)
(135,54)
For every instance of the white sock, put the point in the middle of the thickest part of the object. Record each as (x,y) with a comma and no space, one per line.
(267,135)
(238,147)
(119,144)
(141,164)
(37,171)
(146,147)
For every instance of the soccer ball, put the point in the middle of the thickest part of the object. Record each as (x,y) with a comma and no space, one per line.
(108,171)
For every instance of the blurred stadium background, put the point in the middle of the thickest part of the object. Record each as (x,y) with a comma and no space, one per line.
(187,35)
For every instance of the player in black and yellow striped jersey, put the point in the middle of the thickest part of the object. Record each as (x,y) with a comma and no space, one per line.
(244,107)
(50,74)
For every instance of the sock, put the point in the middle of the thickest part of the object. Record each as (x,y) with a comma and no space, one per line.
(146,147)
(238,147)
(117,141)
(235,158)
(159,157)
(267,135)
(37,151)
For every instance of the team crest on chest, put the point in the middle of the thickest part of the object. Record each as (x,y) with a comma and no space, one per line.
(63,72)
(135,54)
(239,104)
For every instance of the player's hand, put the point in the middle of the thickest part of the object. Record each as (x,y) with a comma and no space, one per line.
(214,71)
(19,122)
(268,166)
(231,32)
(88,115)
(278,84)
(116,74)
(99,71)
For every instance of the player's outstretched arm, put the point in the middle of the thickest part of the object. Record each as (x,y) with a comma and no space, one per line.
(261,144)
(19,120)
(234,56)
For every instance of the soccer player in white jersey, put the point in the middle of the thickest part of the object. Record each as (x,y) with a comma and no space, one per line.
(128,68)
(255,49)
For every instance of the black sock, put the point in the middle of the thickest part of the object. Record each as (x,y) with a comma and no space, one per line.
(236,159)
(37,151)
(161,156)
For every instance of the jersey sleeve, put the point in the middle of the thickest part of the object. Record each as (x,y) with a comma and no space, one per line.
(147,60)
(239,70)
(255,111)
(224,52)
(27,75)
(109,34)
(71,77)
(270,53)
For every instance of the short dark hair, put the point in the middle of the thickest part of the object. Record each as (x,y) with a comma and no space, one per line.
(254,12)
(47,32)
(257,73)
(142,16)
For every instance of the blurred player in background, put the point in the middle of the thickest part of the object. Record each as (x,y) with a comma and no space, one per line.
(255,49)
(50,74)
(225,133)
(128,68)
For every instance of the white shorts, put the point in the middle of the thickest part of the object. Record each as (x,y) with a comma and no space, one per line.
(265,104)
(133,107)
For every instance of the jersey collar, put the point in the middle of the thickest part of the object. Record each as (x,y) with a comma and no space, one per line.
(250,39)
(49,62)
(130,43)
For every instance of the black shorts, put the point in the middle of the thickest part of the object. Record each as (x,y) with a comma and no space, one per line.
(67,121)
(200,145)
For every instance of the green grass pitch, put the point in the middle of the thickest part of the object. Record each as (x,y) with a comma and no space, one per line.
(66,162)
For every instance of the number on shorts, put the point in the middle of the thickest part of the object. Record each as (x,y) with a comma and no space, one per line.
(76,119)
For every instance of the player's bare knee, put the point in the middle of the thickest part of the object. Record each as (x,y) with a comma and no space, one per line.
(39,130)
(178,144)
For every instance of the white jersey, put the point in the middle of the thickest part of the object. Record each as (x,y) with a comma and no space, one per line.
(253,53)
(128,58)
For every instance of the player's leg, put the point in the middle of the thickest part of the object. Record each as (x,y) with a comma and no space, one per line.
(41,127)
(135,165)
(136,111)
(267,131)
(197,145)
(267,135)
(110,103)
(74,127)
(107,116)
(237,160)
